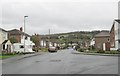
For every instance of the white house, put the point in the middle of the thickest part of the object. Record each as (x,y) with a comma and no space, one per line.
(43,43)
(19,47)
(22,39)
(92,42)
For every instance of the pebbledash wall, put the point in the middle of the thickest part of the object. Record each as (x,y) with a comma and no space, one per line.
(117,31)
(3,37)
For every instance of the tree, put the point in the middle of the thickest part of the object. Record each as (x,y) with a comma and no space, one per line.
(36,39)
(13,40)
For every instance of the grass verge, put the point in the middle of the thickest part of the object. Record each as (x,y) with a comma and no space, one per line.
(6,56)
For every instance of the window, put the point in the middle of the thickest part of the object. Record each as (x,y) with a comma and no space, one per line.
(26,37)
(119,41)
(108,39)
(3,47)
(21,46)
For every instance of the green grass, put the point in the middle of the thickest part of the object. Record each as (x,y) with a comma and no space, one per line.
(6,56)
(43,49)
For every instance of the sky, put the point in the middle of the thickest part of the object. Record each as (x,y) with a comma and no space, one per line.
(59,16)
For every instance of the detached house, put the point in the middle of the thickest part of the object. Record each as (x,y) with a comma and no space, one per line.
(115,35)
(102,41)
(17,34)
(22,39)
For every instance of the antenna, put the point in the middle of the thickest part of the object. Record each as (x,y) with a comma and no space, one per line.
(49,31)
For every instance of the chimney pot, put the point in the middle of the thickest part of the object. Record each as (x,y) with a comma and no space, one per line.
(21,29)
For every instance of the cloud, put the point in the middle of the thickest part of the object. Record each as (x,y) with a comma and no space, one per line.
(59,15)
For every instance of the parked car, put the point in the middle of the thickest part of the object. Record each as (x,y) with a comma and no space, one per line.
(52,49)
(77,47)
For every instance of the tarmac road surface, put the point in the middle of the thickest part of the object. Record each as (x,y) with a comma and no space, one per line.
(63,62)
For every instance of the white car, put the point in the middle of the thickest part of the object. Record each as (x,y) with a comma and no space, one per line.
(52,49)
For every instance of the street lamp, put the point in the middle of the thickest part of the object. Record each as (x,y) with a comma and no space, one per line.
(24,32)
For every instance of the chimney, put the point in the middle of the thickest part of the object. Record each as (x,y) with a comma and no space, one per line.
(21,29)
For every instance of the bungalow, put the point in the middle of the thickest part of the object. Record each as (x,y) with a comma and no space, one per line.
(102,41)
(115,35)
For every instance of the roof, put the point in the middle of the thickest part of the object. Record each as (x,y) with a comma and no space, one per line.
(118,20)
(17,32)
(5,42)
(3,30)
(102,34)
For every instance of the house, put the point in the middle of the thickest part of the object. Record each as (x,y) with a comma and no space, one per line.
(115,35)
(5,44)
(19,47)
(46,41)
(102,40)
(92,42)
(3,37)
(23,44)
(17,34)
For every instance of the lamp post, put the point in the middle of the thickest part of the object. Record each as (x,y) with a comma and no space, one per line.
(24,31)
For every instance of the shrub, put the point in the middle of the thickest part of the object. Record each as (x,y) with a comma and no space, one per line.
(80,50)
(100,51)
(114,52)
(43,49)
(35,49)
(107,52)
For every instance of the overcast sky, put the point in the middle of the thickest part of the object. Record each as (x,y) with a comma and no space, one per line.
(59,15)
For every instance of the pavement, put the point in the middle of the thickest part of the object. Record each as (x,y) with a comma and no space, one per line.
(19,57)
(62,62)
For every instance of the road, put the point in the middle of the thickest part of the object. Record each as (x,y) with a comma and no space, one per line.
(63,62)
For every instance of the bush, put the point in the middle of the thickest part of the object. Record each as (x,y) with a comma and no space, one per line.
(80,50)
(43,49)
(112,52)
(64,47)
(35,49)
(101,51)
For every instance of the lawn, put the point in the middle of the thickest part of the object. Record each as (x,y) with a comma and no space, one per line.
(6,56)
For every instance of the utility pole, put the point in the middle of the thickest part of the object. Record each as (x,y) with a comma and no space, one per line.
(48,38)
(24,31)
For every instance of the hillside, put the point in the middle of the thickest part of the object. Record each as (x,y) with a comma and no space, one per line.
(74,37)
